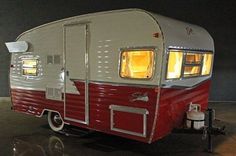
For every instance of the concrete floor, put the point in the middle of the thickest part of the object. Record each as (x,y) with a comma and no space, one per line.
(23,135)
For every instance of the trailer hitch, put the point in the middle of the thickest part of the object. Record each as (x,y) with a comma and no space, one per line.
(207,131)
(210,130)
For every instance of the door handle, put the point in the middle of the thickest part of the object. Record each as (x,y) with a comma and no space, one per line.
(67,73)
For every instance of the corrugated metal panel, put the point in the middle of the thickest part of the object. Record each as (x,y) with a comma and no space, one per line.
(173,105)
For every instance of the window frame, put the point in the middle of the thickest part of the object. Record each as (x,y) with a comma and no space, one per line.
(122,50)
(184,64)
(174,50)
(22,68)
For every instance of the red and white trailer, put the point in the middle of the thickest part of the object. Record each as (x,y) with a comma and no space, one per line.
(128,72)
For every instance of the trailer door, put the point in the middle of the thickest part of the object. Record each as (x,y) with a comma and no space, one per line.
(75,66)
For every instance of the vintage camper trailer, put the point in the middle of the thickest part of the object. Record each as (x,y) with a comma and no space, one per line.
(128,72)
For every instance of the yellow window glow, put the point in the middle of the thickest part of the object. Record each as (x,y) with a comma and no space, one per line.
(29,63)
(207,63)
(30,72)
(29,67)
(190,71)
(192,58)
(137,64)
(174,64)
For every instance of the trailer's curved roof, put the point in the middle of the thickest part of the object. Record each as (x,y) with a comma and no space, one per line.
(176,34)
(182,35)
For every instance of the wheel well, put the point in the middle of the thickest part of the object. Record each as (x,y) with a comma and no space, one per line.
(45,112)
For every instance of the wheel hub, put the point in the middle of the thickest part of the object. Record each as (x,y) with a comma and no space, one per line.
(57,119)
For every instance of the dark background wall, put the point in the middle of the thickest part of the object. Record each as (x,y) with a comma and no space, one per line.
(217,16)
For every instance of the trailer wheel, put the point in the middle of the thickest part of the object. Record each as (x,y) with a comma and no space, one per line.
(55,121)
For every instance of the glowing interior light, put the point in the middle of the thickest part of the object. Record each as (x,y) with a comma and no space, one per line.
(29,63)
(29,67)
(193,58)
(207,63)
(30,72)
(192,64)
(174,64)
(190,71)
(137,64)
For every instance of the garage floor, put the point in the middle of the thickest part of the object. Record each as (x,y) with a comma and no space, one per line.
(23,135)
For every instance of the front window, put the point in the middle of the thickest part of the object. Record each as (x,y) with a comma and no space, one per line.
(192,66)
(137,64)
(207,64)
(184,64)
(29,67)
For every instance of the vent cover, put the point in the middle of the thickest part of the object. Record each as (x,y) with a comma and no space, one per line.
(49,59)
(53,93)
(57,59)
(53,59)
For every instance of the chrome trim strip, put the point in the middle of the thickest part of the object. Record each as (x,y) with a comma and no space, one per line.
(49,110)
(182,66)
(128,132)
(64,66)
(75,120)
(201,66)
(123,84)
(129,109)
(141,111)
(137,48)
(184,87)
(161,75)
(189,49)
(87,34)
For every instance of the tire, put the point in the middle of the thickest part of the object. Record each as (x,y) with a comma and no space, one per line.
(55,121)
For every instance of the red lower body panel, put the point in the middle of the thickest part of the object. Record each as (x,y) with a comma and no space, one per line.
(129,119)
(75,103)
(34,102)
(172,106)
(174,103)
(101,97)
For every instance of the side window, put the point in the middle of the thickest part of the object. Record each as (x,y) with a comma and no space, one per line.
(184,64)
(207,64)
(174,64)
(137,64)
(29,67)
